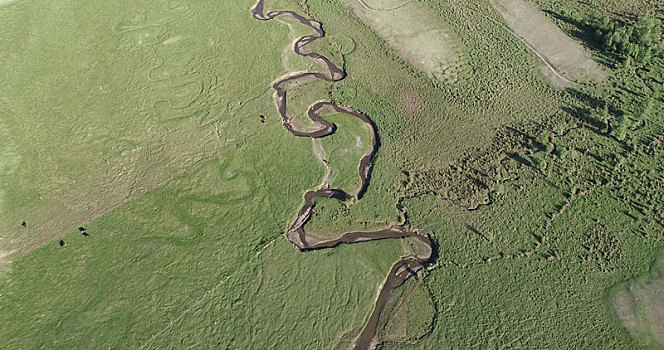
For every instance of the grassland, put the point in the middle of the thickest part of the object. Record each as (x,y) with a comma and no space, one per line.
(172,256)
(413,303)
(89,147)
(160,152)
(534,204)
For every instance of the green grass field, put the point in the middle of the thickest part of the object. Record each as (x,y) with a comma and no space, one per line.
(141,121)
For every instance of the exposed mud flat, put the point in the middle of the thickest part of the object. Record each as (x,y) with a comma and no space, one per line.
(565,61)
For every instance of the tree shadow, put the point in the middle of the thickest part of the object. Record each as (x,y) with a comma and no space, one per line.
(586,35)
(592,101)
(581,31)
(477,182)
(527,141)
(595,125)
(519,159)
(475,231)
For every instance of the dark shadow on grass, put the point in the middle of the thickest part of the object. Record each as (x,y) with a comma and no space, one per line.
(477,181)
(475,231)
(521,160)
(593,124)
(591,101)
(581,32)
(527,141)
(588,38)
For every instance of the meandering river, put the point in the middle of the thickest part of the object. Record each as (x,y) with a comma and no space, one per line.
(408,264)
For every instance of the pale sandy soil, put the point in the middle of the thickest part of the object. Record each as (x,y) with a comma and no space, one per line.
(639,305)
(421,39)
(565,60)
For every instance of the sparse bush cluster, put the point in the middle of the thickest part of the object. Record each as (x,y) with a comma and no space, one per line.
(602,248)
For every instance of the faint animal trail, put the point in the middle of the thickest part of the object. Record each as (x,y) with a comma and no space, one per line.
(202,298)
(267,245)
(181,316)
(531,48)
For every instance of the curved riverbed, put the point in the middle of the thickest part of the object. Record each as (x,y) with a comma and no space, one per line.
(409,264)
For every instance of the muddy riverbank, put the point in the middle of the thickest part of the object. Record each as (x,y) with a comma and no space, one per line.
(409,264)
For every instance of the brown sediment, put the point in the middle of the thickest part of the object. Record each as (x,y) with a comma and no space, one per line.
(409,264)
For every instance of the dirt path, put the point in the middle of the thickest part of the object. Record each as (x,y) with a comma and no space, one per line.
(566,59)
(409,264)
(394,7)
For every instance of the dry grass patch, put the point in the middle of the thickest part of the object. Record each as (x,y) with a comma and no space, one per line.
(565,60)
(419,37)
(639,305)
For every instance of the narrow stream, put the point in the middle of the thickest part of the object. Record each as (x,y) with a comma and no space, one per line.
(409,264)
